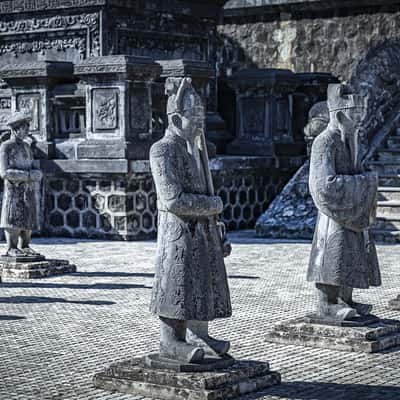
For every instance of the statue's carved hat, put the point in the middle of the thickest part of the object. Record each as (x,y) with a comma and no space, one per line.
(18,118)
(182,96)
(342,97)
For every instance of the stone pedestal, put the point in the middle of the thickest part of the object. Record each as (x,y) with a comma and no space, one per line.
(149,377)
(118,106)
(31,267)
(364,335)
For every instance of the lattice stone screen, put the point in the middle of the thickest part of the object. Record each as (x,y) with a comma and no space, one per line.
(126,207)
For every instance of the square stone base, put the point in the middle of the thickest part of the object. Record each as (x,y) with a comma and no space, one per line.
(395,303)
(368,337)
(134,377)
(36,269)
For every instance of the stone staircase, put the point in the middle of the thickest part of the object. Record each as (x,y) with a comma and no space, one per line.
(386,162)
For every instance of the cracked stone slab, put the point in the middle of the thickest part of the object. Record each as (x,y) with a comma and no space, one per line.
(134,377)
(37,269)
(370,338)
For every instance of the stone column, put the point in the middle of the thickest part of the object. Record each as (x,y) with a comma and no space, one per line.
(31,86)
(264,110)
(118,106)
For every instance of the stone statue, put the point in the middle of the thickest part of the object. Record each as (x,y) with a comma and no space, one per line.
(343,254)
(19,209)
(191,286)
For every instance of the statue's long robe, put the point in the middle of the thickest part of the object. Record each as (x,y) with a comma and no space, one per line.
(343,251)
(20,198)
(190,276)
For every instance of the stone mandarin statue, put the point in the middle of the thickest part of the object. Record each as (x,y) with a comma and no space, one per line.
(191,286)
(343,254)
(19,209)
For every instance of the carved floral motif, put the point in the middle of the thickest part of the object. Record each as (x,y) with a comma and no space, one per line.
(106,106)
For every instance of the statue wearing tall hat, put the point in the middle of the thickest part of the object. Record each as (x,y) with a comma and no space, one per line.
(191,286)
(19,216)
(343,254)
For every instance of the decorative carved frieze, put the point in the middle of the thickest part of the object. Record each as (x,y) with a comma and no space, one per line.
(30,102)
(119,64)
(17,6)
(36,69)
(19,26)
(80,33)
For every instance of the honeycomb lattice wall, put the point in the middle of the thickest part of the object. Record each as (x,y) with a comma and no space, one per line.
(126,207)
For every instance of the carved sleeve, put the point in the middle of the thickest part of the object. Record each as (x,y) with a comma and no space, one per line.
(345,198)
(13,175)
(166,173)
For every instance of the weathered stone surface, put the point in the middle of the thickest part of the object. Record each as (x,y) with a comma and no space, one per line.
(241,378)
(292,214)
(300,44)
(33,270)
(209,363)
(372,338)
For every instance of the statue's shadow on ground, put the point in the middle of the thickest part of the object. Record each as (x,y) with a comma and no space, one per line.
(97,286)
(115,274)
(141,275)
(323,390)
(35,300)
(11,317)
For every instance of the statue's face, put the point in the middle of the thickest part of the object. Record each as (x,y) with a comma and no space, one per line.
(21,131)
(192,122)
(354,117)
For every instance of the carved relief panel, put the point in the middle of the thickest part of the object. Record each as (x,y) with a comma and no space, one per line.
(30,102)
(5,111)
(105,110)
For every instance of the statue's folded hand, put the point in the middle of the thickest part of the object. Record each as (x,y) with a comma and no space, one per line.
(16,175)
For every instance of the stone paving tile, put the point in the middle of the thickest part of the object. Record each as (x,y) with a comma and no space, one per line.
(56,333)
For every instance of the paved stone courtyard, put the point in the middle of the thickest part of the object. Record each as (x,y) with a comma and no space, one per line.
(56,333)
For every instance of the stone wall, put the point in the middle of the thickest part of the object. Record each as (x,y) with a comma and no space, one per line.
(320,39)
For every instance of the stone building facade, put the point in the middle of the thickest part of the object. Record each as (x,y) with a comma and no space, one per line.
(92,73)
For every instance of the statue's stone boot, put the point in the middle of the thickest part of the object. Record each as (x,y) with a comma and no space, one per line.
(28,251)
(346,297)
(338,312)
(173,345)
(14,252)
(328,304)
(197,335)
